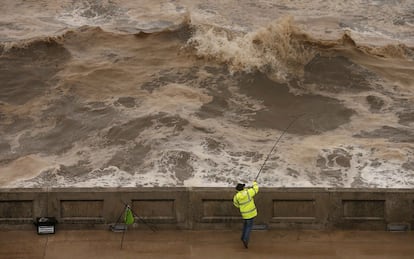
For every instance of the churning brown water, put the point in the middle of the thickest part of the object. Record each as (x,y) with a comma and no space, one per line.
(195,93)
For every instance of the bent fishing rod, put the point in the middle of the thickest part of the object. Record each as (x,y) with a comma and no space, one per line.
(277,141)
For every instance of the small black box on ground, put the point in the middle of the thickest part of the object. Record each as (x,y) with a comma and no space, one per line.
(45,225)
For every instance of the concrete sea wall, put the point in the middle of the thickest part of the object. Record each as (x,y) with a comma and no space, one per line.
(210,208)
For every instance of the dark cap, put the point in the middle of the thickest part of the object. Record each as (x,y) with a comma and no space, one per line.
(240,186)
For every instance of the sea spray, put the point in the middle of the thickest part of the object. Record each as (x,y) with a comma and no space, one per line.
(273,50)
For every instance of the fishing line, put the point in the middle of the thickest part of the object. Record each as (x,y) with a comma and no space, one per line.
(277,141)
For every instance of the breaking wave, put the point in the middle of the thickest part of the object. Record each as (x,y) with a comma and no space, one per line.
(276,49)
(281,50)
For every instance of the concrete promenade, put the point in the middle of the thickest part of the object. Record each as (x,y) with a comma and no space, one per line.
(178,244)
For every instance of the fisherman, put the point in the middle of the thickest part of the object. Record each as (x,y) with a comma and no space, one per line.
(243,200)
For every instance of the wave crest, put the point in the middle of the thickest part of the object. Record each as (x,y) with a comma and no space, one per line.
(45,42)
(275,50)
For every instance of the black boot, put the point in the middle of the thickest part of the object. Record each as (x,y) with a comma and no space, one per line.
(245,243)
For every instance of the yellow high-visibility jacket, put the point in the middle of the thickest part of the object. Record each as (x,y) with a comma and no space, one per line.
(244,201)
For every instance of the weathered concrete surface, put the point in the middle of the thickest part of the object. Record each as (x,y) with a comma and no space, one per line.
(104,244)
(209,208)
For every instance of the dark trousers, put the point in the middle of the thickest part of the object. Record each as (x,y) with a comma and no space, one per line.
(247,228)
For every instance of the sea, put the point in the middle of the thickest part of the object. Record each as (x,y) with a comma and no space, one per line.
(203,93)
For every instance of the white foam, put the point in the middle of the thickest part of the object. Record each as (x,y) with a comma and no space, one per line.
(271,48)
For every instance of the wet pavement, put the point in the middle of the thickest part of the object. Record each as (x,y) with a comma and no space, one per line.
(137,243)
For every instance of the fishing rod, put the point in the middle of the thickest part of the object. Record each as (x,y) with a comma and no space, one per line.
(277,141)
